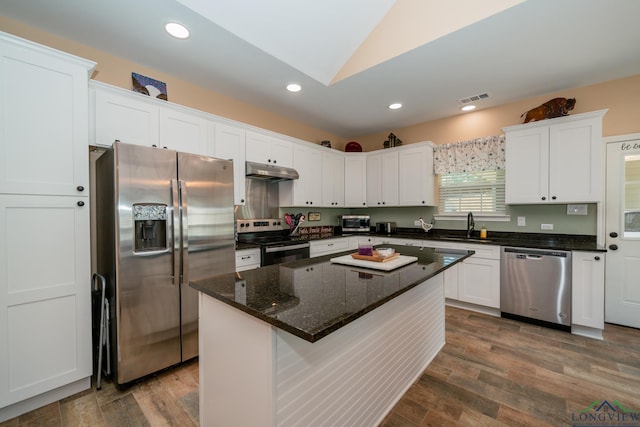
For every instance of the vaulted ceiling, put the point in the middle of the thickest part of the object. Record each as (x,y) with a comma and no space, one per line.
(354,58)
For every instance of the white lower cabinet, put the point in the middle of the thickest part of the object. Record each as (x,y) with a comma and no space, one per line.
(587,293)
(45,314)
(328,246)
(247,259)
(479,282)
(475,282)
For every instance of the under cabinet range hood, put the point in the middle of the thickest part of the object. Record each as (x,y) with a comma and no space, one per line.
(272,173)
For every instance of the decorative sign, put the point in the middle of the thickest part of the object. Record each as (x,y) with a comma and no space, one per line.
(148,86)
(314,216)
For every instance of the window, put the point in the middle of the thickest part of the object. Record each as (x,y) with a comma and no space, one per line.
(477,192)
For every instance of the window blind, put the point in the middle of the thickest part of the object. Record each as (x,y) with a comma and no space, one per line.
(472,192)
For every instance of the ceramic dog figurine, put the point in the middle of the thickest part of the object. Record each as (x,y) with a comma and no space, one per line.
(557,107)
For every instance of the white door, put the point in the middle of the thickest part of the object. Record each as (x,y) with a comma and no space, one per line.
(622,223)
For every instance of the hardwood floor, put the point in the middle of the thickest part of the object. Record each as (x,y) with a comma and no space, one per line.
(491,372)
(499,372)
(169,398)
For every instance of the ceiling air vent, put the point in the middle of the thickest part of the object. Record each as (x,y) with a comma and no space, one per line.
(474,98)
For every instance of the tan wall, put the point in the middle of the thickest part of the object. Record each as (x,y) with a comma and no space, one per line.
(117,71)
(619,96)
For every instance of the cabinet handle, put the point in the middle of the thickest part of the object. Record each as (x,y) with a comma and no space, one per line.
(246,257)
(544,198)
(597,258)
(613,234)
(553,197)
(275,161)
(80,203)
(613,247)
(80,188)
(241,200)
(154,145)
(364,204)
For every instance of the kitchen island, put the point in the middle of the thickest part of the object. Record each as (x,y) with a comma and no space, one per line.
(311,342)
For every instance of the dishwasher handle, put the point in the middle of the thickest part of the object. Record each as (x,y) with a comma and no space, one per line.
(528,253)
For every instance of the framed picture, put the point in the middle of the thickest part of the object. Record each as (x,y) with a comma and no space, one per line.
(148,86)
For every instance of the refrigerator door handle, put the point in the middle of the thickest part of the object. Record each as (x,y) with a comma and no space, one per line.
(175,221)
(184,233)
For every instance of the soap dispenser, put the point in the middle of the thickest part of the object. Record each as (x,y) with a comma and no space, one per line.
(483,232)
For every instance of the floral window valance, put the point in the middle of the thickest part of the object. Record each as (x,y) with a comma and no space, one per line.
(480,154)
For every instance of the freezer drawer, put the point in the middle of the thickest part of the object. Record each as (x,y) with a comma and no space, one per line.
(536,284)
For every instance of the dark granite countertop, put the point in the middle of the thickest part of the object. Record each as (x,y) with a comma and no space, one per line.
(313,297)
(565,242)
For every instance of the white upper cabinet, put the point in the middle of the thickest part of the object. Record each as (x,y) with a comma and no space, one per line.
(307,190)
(186,132)
(382,178)
(43,120)
(355,180)
(229,143)
(123,116)
(137,119)
(269,150)
(555,161)
(332,178)
(415,175)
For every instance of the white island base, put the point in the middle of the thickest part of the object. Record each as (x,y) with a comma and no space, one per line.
(254,374)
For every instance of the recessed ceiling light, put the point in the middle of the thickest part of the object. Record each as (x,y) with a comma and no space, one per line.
(468,107)
(294,87)
(395,106)
(178,31)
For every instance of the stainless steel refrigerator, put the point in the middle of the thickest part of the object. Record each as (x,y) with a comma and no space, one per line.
(162,218)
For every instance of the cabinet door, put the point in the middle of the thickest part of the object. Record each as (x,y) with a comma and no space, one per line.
(382,179)
(267,150)
(587,292)
(282,152)
(128,118)
(415,177)
(332,179)
(451,282)
(43,122)
(45,312)
(307,190)
(258,148)
(575,155)
(527,166)
(184,132)
(355,181)
(479,282)
(229,144)
(374,180)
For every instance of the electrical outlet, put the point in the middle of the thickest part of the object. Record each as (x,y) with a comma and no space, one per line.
(546,226)
(416,223)
(522,221)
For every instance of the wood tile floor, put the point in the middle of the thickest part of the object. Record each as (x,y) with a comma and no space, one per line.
(491,372)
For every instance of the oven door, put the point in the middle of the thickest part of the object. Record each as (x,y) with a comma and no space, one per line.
(278,253)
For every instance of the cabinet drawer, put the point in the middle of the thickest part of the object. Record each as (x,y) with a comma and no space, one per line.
(326,247)
(246,259)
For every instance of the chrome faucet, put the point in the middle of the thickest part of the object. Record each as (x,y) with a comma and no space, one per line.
(470,224)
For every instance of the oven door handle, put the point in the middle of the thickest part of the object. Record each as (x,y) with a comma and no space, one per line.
(271,249)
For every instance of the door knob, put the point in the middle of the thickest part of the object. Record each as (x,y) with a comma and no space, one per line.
(613,247)
(613,234)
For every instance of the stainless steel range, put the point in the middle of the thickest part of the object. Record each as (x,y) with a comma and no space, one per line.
(276,245)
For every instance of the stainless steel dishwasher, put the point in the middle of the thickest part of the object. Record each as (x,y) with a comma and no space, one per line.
(535,284)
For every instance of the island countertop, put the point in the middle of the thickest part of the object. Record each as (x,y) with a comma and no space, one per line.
(313,297)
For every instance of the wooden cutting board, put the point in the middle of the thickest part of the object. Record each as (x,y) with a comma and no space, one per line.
(375,257)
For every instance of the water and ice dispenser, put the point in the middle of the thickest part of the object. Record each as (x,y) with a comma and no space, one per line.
(150,223)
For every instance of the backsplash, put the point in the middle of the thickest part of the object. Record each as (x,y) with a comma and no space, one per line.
(534,215)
